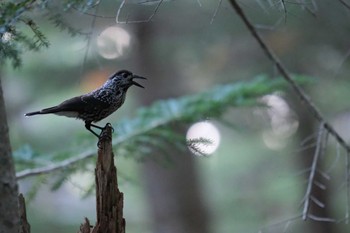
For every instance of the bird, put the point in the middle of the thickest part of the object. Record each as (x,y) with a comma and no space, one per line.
(97,104)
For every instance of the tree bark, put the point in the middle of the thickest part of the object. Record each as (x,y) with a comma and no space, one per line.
(9,214)
(109,200)
(25,226)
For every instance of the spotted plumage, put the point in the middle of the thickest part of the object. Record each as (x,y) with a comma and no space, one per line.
(98,104)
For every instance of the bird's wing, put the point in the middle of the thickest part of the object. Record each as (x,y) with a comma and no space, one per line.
(77,104)
(82,104)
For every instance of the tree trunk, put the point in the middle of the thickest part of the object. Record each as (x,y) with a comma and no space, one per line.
(9,214)
(174,194)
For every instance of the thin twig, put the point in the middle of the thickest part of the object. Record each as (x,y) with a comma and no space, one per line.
(285,74)
(307,139)
(317,202)
(262,6)
(93,22)
(321,219)
(312,173)
(346,56)
(322,173)
(199,3)
(285,10)
(286,226)
(136,21)
(285,221)
(300,149)
(54,167)
(84,155)
(267,27)
(347,187)
(320,185)
(91,14)
(215,12)
(344,3)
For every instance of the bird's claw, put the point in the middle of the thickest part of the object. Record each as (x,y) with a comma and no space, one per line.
(99,144)
(103,138)
(103,135)
(109,125)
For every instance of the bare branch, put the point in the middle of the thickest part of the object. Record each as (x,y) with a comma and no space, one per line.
(320,219)
(215,12)
(307,139)
(347,168)
(317,202)
(83,156)
(93,14)
(136,21)
(285,74)
(346,56)
(280,223)
(285,10)
(320,185)
(313,172)
(55,166)
(93,22)
(344,3)
(322,173)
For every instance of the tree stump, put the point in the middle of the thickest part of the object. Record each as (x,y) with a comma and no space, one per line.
(109,200)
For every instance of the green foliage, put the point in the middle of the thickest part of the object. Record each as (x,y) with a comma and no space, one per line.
(153,127)
(59,22)
(157,120)
(195,145)
(13,40)
(13,36)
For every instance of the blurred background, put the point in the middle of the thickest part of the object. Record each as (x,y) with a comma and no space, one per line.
(256,174)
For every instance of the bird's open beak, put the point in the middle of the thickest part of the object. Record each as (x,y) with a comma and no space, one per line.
(135,83)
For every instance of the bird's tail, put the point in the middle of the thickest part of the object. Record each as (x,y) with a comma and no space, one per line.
(43,111)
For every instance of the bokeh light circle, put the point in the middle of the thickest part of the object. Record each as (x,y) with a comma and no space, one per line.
(205,130)
(113,42)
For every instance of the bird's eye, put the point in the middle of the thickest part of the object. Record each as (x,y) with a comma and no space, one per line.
(125,75)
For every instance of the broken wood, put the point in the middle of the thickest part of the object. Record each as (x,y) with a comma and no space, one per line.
(109,200)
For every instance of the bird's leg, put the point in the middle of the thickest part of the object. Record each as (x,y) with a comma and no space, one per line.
(88,127)
(96,126)
(102,128)
(104,135)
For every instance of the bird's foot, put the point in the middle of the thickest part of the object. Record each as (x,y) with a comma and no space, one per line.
(104,135)
(109,125)
(99,144)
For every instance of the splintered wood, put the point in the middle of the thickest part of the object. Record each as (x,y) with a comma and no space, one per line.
(109,200)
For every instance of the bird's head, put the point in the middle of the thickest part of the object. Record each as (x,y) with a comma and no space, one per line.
(125,79)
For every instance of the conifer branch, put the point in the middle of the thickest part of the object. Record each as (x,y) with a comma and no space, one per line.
(157,118)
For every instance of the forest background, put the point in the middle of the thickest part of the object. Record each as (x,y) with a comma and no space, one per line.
(278,161)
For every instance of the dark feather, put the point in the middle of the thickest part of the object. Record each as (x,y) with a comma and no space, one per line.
(77,104)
